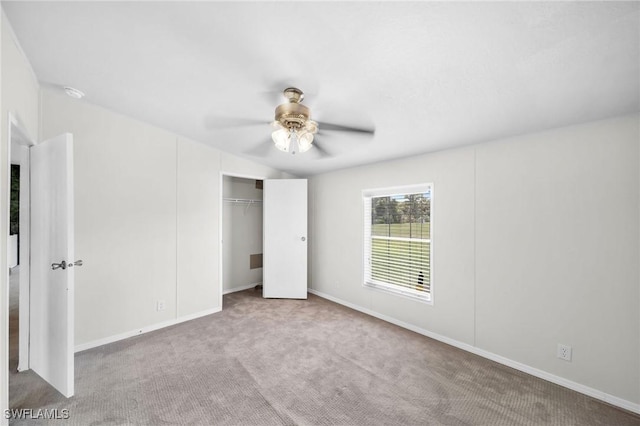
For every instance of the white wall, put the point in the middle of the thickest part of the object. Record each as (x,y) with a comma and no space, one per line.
(557,252)
(336,239)
(125,211)
(241,233)
(237,166)
(18,95)
(19,86)
(198,195)
(535,243)
(147,220)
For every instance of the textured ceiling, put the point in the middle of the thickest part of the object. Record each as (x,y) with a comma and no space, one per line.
(426,76)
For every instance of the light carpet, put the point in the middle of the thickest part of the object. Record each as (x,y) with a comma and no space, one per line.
(300,362)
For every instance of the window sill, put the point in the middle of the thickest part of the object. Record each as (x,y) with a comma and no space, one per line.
(408,294)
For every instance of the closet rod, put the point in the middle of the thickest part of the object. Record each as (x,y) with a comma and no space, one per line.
(242,200)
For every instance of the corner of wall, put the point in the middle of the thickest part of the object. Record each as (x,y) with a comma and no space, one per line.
(12,35)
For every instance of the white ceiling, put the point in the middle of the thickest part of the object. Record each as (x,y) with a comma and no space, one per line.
(426,76)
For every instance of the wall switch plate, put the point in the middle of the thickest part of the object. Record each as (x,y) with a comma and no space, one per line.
(564,352)
(160,305)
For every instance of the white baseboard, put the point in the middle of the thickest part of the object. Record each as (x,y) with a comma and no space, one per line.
(138,331)
(586,390)
(242,288)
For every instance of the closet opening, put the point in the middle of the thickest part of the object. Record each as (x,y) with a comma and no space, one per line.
(242,227)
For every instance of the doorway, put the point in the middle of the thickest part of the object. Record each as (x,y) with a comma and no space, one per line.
(44,192)
(241,232)
(18,265)
(19,247)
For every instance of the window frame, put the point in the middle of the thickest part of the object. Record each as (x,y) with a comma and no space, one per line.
(367,282)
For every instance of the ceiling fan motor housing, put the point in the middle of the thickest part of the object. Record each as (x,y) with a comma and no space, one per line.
(292,115)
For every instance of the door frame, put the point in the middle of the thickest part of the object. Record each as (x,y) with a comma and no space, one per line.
(19,139)
(221,224)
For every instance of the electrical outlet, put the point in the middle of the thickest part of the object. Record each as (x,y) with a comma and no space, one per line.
(160,305)
(564,352)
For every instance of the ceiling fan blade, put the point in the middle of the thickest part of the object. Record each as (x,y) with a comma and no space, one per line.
(261,150)
(337,127)
(216,122)
(323,152)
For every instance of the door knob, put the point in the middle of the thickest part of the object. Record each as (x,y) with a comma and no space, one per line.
(303,239)
(64,264)
(61,265)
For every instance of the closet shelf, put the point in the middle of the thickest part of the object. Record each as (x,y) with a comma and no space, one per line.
(242,200)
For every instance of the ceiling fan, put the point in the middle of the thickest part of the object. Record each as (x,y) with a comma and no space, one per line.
(295,130)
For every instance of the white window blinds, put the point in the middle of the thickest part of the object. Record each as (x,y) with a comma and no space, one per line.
(398,240)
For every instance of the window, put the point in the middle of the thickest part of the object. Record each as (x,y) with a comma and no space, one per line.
(397,240)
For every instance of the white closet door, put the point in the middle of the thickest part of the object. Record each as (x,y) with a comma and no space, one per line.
(285,239)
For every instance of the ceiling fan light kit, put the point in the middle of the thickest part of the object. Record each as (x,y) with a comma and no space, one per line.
(294,127)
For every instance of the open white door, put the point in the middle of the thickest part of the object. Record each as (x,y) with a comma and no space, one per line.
(52,290)
(285,239)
